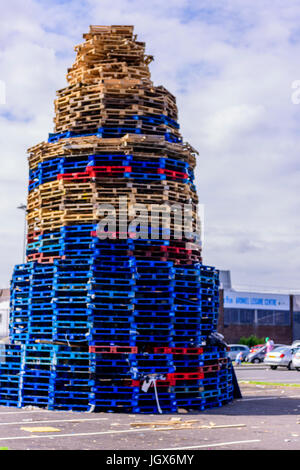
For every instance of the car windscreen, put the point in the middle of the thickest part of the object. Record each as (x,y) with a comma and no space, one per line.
(260,349)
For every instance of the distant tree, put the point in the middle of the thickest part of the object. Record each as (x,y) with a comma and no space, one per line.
(251,340)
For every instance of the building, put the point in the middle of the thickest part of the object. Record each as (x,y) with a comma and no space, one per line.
(4,312)
(246,313)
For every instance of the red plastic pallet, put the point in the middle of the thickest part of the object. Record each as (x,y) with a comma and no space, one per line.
(73,176)
(172,174)
(41,258)
(167,350)
(173,377)
(93,170)
(33,236)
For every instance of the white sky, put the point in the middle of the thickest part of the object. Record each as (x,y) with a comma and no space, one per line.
(231,65)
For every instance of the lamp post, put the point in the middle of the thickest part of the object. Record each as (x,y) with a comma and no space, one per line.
(24,208)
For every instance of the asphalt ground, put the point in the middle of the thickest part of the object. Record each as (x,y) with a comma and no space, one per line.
(263,373)
(266,418)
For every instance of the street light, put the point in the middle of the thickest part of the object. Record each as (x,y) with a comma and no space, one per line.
(23,207)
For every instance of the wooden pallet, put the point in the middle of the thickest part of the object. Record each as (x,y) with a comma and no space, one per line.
(108,83)
(148,146)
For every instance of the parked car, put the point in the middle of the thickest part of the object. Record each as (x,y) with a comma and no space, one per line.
(234,349)
(296,358)
(280,357)
(296,343)
(259,355)
(256,347)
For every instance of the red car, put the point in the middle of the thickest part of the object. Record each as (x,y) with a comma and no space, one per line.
(256,347)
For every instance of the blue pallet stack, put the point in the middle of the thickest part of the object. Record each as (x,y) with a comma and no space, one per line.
(114,310)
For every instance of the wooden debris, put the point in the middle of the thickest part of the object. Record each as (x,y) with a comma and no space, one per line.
(39,429)
(177,423)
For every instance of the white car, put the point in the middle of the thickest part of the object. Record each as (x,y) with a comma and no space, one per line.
(281,357)
(296,359)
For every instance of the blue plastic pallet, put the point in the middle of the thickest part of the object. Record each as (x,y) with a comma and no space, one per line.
(108,160)
(32,400)
(93,309)
(155,119)
(191,403)
(113,403)
(32,387)
(9,402)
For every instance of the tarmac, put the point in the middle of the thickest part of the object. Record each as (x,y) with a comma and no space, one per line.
(266,418)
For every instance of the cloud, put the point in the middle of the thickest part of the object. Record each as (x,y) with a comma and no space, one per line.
(230,63)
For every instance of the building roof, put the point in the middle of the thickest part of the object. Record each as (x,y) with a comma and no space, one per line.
(4,295)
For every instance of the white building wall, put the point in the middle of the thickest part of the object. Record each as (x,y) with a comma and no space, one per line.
(4,318)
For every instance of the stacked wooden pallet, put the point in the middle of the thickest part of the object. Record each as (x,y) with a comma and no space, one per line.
(113,286)
(144,145)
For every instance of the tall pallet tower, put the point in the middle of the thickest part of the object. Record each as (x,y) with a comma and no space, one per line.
(113,310)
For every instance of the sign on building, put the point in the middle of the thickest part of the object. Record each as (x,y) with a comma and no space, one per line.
(256,301)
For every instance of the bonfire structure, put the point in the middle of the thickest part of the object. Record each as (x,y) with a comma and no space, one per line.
(113,309)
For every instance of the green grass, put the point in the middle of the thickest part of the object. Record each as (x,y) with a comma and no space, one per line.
(4,448)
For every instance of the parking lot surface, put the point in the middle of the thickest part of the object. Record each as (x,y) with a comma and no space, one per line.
(266,418)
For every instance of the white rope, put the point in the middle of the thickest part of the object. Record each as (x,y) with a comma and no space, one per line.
(156,396)
(147,384)
(66,336)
